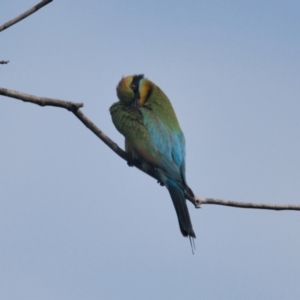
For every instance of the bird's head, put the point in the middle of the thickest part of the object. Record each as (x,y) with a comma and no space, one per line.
(134,90)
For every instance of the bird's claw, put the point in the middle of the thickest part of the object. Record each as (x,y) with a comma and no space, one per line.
(130,163)
(160,183)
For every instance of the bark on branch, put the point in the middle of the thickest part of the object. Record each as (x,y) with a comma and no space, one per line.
(24,15)
(3,62)
(42,101)
(75,108)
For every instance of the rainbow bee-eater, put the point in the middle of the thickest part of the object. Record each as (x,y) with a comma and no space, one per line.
(154,139)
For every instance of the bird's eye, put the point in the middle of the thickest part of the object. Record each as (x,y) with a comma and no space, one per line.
(133,86)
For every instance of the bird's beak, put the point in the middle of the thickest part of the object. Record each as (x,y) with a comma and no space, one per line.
(135,102)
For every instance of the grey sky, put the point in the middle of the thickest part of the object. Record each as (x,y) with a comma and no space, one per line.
(77,223)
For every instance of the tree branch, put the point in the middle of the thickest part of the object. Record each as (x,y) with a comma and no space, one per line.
(42,101)
(249,204)
(2,62)
(24,15)
(74,107)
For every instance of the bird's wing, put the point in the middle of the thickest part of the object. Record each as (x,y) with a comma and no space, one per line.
(151,139)
(169,146)
(129,122)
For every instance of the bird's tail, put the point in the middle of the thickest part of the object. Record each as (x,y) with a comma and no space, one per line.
(178,198)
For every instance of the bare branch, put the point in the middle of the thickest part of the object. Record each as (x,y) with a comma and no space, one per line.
(42,101)
(25,14)
(2,62)
(103,137)
(74,107)
(248,205)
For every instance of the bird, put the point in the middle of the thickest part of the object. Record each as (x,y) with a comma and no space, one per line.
(154,140)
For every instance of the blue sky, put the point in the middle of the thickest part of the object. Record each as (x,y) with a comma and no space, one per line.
(77,223)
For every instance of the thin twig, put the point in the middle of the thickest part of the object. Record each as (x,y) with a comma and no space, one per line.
(74,107)
(25,14)
(3,62)
(249,204)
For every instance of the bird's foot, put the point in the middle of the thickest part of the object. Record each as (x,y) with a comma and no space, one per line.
(158,181)
(130,163)
(133,162)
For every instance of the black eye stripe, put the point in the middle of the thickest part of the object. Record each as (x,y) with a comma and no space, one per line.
(135,81)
